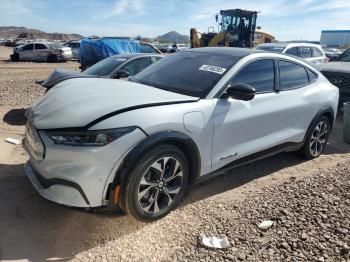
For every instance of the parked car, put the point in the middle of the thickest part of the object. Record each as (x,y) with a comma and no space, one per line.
(75,46)
(140,144)
(333,53)
(149,48)
(338,73)
(95,50)
(10,42)
(164,48)
(178,47)
(310,52)
(116,67)
(41,51)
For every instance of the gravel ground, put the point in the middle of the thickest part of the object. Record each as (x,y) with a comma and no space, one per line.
(311,223)
(307,200)
(17,81)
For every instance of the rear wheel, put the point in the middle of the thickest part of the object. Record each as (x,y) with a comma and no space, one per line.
(157,183)
(317,138)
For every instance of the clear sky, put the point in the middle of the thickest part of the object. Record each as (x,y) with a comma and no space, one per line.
(286,19)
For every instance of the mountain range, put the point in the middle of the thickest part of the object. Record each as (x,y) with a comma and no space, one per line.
(23,32)
(173,37)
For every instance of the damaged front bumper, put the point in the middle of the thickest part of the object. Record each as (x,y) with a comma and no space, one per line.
(57,190)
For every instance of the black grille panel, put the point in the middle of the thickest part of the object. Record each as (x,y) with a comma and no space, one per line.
(341,80)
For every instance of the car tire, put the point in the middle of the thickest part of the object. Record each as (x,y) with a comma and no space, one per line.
(14,57)
(52,59)
(154,187)
(317,138)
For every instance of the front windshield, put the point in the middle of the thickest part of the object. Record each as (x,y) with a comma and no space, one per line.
(228,22)
(105,66)
(190,73)
(271,48)
(345,57)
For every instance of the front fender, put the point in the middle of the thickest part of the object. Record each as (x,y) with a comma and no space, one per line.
(181,140)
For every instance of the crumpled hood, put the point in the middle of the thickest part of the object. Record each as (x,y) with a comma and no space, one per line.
(341,67)
(59,75)
(78,102)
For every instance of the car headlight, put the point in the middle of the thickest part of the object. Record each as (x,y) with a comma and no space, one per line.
(88,138)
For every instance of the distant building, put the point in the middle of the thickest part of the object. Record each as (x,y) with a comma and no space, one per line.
(335,38)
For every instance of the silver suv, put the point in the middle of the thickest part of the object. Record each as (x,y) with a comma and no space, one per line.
(140,144)
(41,51)
(310,52)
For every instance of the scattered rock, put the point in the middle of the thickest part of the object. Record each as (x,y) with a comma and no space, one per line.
(266,224)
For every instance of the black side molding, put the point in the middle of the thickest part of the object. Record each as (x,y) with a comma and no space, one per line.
(285,147)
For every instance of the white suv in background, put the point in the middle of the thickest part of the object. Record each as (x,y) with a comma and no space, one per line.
(310,52)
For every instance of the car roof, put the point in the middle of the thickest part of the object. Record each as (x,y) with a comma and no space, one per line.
(274,44)
(131,55)
(231,51)
(289,44)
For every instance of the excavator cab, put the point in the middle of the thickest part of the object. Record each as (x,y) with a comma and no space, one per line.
(236,29)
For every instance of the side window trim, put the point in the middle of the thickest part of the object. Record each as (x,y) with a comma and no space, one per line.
(297,87)
(277,75)
(309,72)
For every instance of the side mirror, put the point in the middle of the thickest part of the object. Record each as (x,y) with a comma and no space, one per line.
(121,74)
(240,92)
(216,18)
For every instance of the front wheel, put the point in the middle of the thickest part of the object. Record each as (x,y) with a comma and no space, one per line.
(14,57)
(157,184)
(317,138)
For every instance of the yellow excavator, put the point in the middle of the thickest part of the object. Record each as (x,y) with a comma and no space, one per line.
(236,29)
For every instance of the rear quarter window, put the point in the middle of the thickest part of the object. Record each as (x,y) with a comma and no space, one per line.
(305,52)
(292,51)
(312,75)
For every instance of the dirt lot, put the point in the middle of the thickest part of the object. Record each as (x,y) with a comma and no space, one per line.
(309,202)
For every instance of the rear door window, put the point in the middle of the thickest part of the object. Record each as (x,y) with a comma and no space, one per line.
(292,75)
(316,52)
(259,74)
(292,51)
(28,47)
(40,46)
(305,52)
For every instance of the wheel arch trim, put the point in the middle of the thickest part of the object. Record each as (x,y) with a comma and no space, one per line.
(179,139)
(326,111)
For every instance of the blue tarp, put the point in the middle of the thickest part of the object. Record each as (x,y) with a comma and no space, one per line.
(94,50)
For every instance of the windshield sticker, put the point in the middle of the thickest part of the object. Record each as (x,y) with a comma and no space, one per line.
(213,69)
